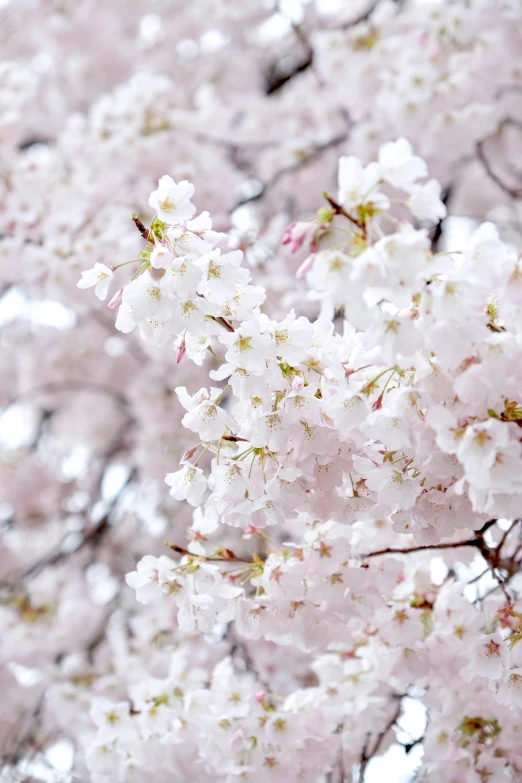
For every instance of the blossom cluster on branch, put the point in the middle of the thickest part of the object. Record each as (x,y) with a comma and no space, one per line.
(330,385)
(397,421)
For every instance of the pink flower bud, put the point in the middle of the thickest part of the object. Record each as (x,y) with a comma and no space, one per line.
(296,234)
(116,300)
(187,455)
(305,267)
(260,697)
(180,351)
(377,405)
(287,236)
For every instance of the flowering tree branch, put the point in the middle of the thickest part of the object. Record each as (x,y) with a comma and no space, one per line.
(372,396)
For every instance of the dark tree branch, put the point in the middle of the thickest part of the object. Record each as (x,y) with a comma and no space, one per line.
(240,648)
(368,754)
(364,17)
(437,231)
(394,551)
(515,193)
(277,75)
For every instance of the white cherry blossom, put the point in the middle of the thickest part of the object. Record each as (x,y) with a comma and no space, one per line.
(100,277)
(171,201)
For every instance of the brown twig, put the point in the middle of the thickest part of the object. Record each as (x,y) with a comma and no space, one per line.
(339,210)
(229,556)
(145,233)
(223,323)
(394,551)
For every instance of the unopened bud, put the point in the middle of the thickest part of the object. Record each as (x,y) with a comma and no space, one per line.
(325,214)
(377,405)
(180,351)
(116,300)
(287,236)
(187,455)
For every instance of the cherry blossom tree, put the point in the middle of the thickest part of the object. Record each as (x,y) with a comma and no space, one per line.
(261,487)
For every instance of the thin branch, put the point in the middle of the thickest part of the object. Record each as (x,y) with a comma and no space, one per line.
(395,551)
(91,536)
(478,577)
(222,322)
(228,555)
(293,167)
(506,534)
(408,746)
(25,736)
(368,754)
(437,231)
(364,17)
(339,210)
(485,527)
(277,76)
(515,193)
(240,647)
(145,233)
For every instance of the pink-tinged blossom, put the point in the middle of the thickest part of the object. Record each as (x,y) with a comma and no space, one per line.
(147,580)
(487,658)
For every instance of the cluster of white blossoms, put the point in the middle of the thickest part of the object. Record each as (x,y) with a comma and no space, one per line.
(398,432)
(187,281)
(253,103)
